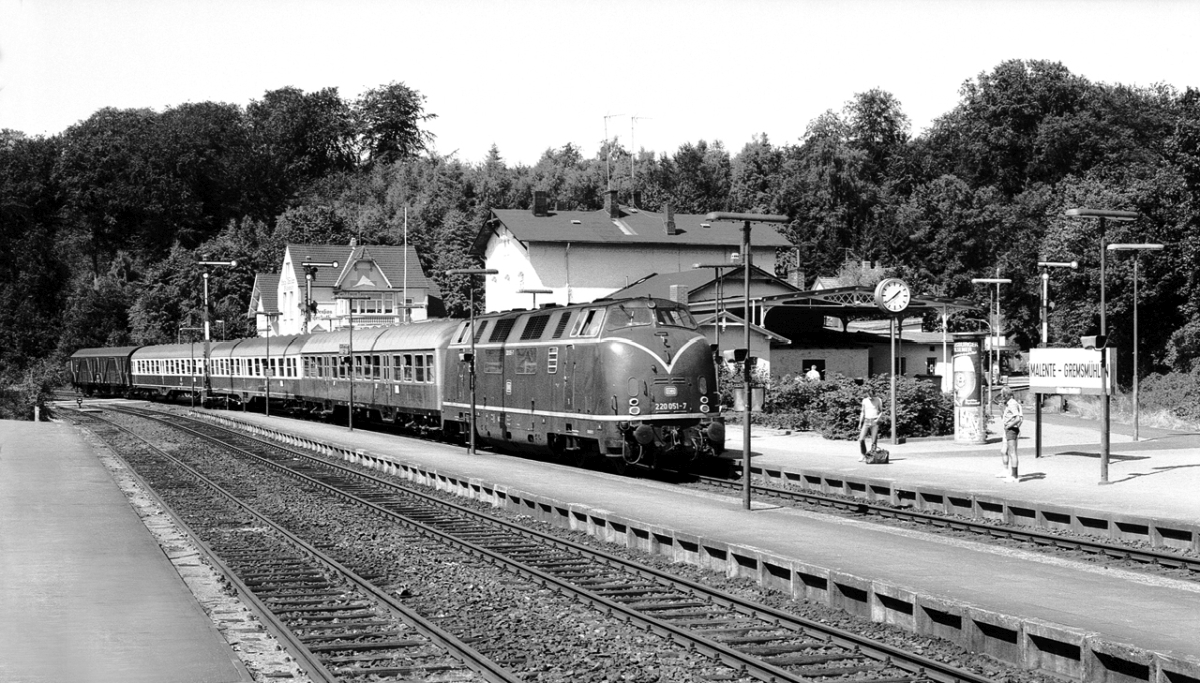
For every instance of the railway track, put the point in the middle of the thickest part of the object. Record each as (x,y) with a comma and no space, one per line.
(1150,557)
(751,641)
(337,624)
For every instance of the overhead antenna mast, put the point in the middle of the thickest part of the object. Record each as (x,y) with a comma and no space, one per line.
(608,151)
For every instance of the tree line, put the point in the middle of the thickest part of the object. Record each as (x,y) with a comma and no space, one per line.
(101,225)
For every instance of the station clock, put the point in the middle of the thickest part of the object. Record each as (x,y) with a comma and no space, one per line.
(892,295)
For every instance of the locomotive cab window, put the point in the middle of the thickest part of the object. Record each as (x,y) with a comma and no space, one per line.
(588,323)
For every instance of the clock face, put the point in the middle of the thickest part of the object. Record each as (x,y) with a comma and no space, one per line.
(893,295)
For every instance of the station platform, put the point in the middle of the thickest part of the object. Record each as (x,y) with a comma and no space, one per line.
(1021,606)
(86,593)
(1155,477)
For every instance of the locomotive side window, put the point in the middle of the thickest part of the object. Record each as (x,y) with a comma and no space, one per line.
(526,360)
(675,317)
(588,324)
(552,359)
(493,361)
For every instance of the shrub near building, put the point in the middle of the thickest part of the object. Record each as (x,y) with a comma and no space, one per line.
(832,406)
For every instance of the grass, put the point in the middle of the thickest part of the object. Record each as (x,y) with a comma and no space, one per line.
(1121,411)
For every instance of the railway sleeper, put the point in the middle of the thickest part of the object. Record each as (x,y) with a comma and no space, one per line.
(367,646)
(331,617)
(843,670)
(347,625)
(312,609)
(664,607)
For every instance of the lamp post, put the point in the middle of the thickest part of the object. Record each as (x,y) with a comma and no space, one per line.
(267,365)
(1103,215)
(1045,315)
(1137,250)
(535,291)
(222,324)
(745,219)
(208,328)
(717,308)
(995,350)
(350,298)
(310,272)
(472,272)
(192,342)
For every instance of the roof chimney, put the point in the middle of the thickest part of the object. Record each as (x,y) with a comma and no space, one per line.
(353,242)
(669,221)
(541,203)
(795,278)
(679,294)
(610,203)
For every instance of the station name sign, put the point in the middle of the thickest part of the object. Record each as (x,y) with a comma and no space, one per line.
(1071,371)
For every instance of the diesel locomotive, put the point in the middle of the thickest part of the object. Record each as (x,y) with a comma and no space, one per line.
(632,380)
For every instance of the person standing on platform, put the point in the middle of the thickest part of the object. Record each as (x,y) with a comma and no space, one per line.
(1011,421)
(813,375)
(868,420)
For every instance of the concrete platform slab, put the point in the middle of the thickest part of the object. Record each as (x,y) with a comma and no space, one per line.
(86,594)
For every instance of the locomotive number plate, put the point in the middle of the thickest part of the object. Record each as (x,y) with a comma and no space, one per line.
(671,407)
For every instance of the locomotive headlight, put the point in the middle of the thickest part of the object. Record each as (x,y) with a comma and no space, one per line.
(703,408)
(703,399)
(633,401)
(634,410)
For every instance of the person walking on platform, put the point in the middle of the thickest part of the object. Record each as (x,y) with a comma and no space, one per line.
(1011,421)
(868,420)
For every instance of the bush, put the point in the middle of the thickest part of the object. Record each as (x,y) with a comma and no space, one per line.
(832,407)
(1176,393)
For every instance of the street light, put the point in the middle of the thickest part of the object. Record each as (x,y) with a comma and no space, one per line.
(208,328)
(350,298)
(718,308)
(535,291)
(1103,215)
(472,272)
(310,272)
(745,219)
(267,366)
(995,350)
(192,343)
(1045,266)
(1137,250)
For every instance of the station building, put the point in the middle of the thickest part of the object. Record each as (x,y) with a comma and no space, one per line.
(567,257)
(388,283)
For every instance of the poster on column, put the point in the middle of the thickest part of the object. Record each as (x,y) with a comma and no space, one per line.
(1071,371)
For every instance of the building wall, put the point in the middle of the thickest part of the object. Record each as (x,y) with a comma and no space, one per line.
(851,362)
(582,272)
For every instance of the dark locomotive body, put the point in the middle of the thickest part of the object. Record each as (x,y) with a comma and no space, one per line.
(631,379)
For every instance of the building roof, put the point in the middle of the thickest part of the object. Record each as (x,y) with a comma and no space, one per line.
(633,226)
(391,260)
(265,295)
(727,318)
(659,284)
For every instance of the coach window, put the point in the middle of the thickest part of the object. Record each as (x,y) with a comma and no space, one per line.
(418,368)
(376,369)
(406,368)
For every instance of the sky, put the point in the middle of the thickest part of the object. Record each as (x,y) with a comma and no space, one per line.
(529,75)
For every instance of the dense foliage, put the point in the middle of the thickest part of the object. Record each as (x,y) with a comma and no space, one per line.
(832,407)
(101,225)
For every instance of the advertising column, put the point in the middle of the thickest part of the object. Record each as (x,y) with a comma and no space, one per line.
(970,425)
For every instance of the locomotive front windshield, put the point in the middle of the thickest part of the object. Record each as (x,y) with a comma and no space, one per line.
(642,313)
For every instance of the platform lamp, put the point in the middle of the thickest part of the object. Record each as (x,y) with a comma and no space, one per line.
(310,273)
(535,291)
(995,331)
(745,219)
(1103,215)
(350,298)
(192,343)
(1137,250)
(208,328)
(1045,314)
(717,307)
(472,272)
(267,366)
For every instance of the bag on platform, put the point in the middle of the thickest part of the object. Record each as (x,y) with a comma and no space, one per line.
(877,456)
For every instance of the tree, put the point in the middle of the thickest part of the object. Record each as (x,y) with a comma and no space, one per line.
(389,122)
